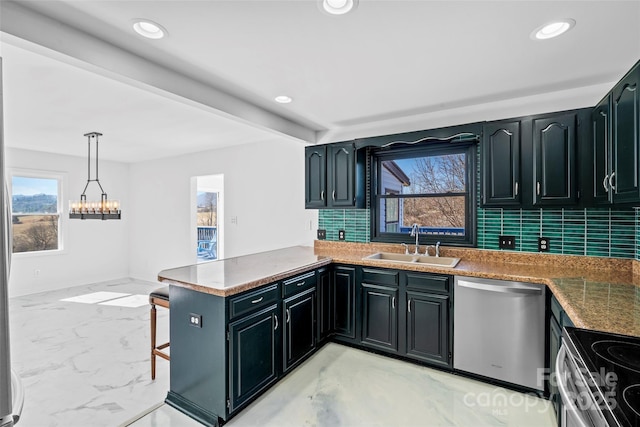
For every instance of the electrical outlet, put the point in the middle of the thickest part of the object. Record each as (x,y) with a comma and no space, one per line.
(507,242)
(340,234)
(195,320)
(322,234)
(543,244)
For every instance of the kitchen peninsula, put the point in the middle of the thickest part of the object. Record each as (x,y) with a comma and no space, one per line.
(239,325)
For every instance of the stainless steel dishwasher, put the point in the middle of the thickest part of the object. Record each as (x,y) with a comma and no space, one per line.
(499,330)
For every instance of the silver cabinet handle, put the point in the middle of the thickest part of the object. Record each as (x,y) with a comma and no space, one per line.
(255,301)
(301,283)
(409,305)
(604,183)
(611,186)
(322,195)
(288,315)
(393,303)
(276,316)
(538,188)
(334,194)
(516,188)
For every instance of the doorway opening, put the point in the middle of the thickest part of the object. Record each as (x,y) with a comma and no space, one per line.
(209,217)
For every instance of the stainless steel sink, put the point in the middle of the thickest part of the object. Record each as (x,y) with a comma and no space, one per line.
(414,259)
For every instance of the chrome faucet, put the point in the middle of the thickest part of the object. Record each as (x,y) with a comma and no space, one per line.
(406,248)
(415,232)
(437,249)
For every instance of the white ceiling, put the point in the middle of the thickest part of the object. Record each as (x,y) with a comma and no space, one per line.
(390,66)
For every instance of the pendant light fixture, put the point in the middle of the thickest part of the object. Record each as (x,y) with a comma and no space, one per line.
(104,208)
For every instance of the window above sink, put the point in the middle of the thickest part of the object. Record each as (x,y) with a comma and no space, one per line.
(432,184)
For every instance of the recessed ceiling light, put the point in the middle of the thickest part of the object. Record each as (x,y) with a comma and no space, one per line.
(337,7)
(283,99)
(149,29)
(553,29)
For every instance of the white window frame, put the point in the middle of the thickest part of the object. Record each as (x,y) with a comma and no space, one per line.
(61,177)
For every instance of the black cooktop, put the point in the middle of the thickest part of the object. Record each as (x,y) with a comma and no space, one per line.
(614,361)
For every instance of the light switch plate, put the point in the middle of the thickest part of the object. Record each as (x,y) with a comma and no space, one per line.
(322,234)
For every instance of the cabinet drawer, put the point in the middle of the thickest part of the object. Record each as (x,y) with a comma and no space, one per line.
(253,300)
(428,282)
(299,284)
(380,277)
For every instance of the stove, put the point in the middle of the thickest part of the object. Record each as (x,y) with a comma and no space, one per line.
(608,365)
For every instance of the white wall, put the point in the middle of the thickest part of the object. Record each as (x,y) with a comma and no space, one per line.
(263,188)
(94,251)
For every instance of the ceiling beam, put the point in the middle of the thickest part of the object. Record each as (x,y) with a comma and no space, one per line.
(31,30)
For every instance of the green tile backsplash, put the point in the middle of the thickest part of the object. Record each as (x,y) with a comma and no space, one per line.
(591,231)
(355,222)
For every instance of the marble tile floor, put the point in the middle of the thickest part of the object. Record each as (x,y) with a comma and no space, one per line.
(86,362)
(342,386)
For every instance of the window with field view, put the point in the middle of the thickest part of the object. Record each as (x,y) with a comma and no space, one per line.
(432,186)
(35,213)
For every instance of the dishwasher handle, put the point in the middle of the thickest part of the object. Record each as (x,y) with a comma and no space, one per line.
(508,289)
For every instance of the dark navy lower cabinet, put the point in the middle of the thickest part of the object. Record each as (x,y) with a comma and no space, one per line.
(344,301)
(299,314)
(427,327)
(407,313)
(325,304)
(380,316)
(253,354)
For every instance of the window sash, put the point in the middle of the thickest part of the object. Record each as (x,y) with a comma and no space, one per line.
(470,152)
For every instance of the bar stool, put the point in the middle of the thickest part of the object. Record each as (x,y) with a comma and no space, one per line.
(158,297)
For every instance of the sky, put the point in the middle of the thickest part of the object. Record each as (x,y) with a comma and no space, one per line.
(27,186)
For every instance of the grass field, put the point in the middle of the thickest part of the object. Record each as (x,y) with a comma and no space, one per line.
(34,233)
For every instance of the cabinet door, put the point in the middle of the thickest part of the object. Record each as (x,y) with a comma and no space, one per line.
(500,153)
(428,333)
(315,177)
(626,130)
(299,313)
(380,316)
(253,355)
(554,158)
(325,298)
(601,133)
(342,173)
(344,301)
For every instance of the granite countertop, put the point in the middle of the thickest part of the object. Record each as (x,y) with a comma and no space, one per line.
(597,293)
(231,276)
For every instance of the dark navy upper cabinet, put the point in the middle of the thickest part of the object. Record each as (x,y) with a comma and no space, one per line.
(501,181)
(315,177)
(334,176)
(535,161)
(601,134)
(554,159)
(625,121)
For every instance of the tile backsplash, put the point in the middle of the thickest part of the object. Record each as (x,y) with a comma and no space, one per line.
(591,231)
(354,221)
